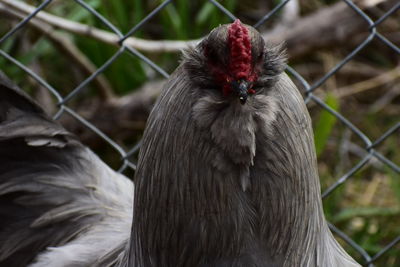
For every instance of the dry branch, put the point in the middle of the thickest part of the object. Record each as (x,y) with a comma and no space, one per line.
(360,87)
(68,48)
(326,27)
(97,34)
(121,118)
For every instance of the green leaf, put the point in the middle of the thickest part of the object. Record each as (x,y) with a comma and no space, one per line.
(325,123)
(394,182)
(350,213)
(77,13)
(184,14)
(205,13)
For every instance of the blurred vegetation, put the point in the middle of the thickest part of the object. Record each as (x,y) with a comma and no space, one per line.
(367,207)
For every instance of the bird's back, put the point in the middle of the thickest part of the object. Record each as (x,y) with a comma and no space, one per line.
(60,205)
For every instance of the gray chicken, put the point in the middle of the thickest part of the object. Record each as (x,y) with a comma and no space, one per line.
(227,174)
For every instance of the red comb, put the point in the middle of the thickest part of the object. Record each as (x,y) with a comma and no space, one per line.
(240,46)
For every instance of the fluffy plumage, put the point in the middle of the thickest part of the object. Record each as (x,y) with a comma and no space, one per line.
(233,185)
(220,182)
(60,205)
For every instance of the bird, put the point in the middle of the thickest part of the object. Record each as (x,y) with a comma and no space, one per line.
(226,175)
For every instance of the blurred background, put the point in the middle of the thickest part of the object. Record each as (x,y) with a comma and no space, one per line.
(97,66)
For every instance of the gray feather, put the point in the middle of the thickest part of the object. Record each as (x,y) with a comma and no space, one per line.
(224,184)
(60,205)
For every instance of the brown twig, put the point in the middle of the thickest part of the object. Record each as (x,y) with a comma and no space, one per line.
(369,84)
(100,35)
(120,117)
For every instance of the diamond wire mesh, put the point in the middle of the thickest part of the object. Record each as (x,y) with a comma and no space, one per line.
(309,90)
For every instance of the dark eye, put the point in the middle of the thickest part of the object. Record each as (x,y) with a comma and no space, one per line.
(260,56)
(211,55)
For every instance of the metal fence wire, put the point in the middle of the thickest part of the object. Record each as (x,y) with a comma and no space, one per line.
(369,146)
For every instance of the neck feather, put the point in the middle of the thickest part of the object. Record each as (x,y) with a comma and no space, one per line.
(231,183)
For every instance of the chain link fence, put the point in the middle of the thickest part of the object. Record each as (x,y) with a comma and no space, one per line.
(121,40)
